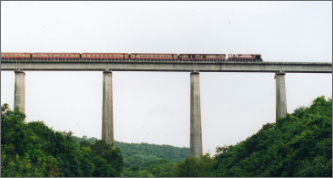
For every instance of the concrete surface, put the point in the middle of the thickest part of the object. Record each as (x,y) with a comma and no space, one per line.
(107,108)
(188,66)
(281,98)
(19,90)
(195,119)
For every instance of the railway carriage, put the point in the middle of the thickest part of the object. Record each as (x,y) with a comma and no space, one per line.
(15,55)
(55,56)
(244,58)
(154,56)
(105,56)
(202,57)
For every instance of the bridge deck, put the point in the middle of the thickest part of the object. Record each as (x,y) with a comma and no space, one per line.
(176,66)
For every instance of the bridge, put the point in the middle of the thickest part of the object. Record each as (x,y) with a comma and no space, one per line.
(194,67)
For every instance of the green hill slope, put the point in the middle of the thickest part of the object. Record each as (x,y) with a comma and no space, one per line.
(35,150)
(298,145)
(143,153)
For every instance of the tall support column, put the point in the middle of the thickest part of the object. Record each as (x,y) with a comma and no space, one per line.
(281,101)
(195,122)
(19,90)
(107,118)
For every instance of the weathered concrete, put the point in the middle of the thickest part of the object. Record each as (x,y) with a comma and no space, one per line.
(195,132)
(107,118)
(281,99)
(185,66)
(19,90)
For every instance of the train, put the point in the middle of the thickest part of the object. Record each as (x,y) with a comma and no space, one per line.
(132,56)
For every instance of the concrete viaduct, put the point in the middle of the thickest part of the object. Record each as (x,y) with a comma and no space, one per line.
(279,68)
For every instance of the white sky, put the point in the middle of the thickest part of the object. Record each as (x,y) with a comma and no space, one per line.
(154,107)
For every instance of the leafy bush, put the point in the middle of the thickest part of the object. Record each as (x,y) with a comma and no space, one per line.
(34,150)
(299,144)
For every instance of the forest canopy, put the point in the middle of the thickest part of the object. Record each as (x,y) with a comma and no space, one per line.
(298,145)
(34,150)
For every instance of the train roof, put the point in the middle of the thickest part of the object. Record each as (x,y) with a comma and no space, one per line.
(55,52)
(103,52)
(201,54)
(153,53)
(15,52)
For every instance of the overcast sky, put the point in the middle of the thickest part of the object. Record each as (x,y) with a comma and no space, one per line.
(154,107)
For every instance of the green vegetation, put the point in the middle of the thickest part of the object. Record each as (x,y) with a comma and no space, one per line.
(298,145)
(144,153)
(147,160)
(34,150)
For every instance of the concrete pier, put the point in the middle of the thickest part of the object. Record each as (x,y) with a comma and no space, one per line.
(107,112)
(19,90)
(195,128)
(281,99)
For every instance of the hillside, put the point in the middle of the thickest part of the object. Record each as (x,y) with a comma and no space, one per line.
(143,153)
(299,145)
(35,150)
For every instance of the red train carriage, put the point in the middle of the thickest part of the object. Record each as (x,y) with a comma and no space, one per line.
(55,56)
(105,56)
(244,57)
(15,55)
(154,56)
(202,57)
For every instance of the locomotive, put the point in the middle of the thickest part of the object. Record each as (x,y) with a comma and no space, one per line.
(133,57)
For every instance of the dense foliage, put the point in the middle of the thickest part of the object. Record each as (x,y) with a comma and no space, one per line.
(195,167)
(298,145)
(147,160)
(144,153)
(34,150)
(160,168)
